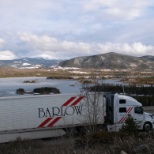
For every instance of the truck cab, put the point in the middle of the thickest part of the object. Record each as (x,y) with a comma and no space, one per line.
(118,107)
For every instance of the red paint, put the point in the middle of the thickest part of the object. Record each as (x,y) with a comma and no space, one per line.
(54,121)
(58,118)
(77,101)
(68,101)
(44,122)
(124,118)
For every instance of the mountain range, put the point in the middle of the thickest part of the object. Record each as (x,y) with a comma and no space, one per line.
(29,63)
(102,61)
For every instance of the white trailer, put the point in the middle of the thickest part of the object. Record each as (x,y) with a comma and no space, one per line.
(43,116)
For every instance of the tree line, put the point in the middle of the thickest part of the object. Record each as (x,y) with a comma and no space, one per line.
(143,94)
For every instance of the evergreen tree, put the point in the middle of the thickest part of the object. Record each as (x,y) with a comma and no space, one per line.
(129,127)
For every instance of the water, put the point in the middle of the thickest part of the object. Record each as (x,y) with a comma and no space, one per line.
(8,86)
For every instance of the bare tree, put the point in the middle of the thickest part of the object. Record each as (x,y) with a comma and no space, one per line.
(93,105)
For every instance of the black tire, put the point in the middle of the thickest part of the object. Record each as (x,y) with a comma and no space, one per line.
(147,126)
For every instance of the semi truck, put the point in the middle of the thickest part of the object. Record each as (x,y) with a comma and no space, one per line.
(45,116)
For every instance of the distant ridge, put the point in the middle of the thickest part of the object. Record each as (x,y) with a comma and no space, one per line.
(148,57)
(110,61)
(29,63)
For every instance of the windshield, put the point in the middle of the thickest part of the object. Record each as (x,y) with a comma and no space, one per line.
(138,110)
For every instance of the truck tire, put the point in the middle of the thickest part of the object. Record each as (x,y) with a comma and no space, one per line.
(147,126)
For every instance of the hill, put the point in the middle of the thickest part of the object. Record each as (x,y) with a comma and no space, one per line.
(109,61)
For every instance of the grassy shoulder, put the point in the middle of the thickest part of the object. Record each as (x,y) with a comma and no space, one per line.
(94,143)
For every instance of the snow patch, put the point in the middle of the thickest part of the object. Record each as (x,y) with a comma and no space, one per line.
(78,72)
(102,57)
(133,65)
(26,64)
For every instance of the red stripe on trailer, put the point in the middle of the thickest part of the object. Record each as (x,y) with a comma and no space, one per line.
(68,101)
(77,101)
(44,122)
(58,118)
(54,121)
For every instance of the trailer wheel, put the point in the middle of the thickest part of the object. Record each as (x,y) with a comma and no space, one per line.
(147,126)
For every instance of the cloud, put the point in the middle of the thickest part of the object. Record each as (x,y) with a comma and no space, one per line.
(134,49)
(1,41)
(26,14)
(66,29)
(118,8)
(7,55)
(80,20)
(50,47)
(50,43)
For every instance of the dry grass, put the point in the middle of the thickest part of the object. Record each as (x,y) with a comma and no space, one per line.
(140,80)
(130,144)
(14,72)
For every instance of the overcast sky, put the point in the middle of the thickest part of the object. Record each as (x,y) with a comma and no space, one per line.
(63,29)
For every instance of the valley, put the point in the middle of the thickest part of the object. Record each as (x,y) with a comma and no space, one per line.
(131,77)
